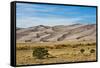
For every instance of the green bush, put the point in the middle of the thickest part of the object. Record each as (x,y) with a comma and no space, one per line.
(82,51)
(40,53)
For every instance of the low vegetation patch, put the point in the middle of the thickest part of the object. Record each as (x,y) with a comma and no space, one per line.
(92,51)
(27,46)
(82,51)
(40,53)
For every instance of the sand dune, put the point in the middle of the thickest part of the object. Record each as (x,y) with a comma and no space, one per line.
(43,33)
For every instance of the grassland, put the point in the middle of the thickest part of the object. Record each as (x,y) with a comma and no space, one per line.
(60,52)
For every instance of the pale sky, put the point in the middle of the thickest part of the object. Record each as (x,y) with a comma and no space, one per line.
(41,14)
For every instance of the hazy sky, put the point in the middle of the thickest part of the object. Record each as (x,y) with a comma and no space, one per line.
(40,14)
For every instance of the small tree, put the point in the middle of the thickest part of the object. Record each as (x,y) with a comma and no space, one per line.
(92,51)
(82,51)
(40,53)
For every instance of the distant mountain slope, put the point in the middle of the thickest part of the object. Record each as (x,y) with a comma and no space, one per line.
(43,33)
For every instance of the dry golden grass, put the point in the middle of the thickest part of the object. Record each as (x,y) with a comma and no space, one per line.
(61,52)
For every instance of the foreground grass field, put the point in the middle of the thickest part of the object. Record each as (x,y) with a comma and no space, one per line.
(59,52)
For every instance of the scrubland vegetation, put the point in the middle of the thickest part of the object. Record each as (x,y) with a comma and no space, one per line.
(45,53)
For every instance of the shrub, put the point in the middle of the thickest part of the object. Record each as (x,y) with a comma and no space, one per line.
(59,46)
(88,44)
(82,51)
(92,51)
(23,48)
(40,52)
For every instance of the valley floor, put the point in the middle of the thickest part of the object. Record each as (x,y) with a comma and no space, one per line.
(60,52)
